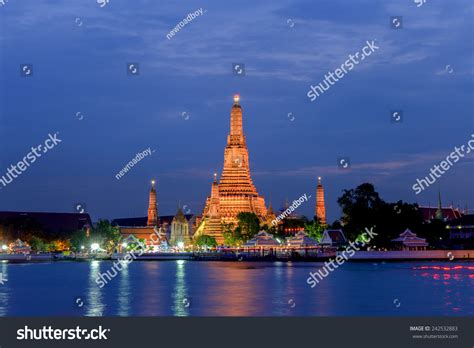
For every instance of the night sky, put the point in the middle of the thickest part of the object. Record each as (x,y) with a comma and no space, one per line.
(179,103)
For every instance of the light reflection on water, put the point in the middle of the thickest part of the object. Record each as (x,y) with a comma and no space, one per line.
(188,288)
(95,305)
(4,290)
(124,292)
(181,301)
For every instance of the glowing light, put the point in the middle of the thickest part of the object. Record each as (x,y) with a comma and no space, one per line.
(180,245)
(236,98)
(153,182)
(95,246)
(4,247)
(124,245)
(82,247)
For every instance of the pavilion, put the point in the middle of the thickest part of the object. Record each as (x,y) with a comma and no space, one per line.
(262,239)
(302,240)
(333,238)
(409,241)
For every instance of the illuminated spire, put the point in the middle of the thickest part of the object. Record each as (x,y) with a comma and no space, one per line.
(152,208)
(320,209)
(236,135)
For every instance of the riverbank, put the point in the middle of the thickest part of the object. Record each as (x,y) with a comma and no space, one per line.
(408,255)
(259,255)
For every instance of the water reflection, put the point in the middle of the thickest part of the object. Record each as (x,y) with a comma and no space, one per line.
(181,301)
(95,306)
(237,289)
(187,288)
(4,290)
(153,287)
(444,281)
(124,292)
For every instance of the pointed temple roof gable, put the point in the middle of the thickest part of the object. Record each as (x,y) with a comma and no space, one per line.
(407,233)
(409,238)
(180,216)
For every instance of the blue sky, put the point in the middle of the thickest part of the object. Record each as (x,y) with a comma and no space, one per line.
(82,68)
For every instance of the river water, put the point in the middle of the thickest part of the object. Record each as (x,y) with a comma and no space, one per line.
(193,288)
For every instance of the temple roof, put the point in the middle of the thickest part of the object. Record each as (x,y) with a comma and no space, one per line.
(449,213)
(262,238)
(180,216)
(410,239)
(54,223)
(141,221)
(333,237)
(302,239)
(466,220)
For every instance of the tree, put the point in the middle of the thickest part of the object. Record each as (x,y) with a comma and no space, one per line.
(205,240)
(436,234)
(359,207)
(232,235)
(315,230)
(248,225)
(78,239)
(37,244)
(363,208)
(107,236)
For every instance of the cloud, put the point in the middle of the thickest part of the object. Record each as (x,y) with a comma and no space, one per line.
(408,164)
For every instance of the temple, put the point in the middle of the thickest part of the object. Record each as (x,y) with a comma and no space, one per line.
(235,192)
(179,233)
(320,209)
(152,207)
(140,231)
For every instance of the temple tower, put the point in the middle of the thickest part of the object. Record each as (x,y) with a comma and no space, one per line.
(320,209)
(439,211)
(211,223)
(180,230)
(235,191)
(270,216)
(152,207)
